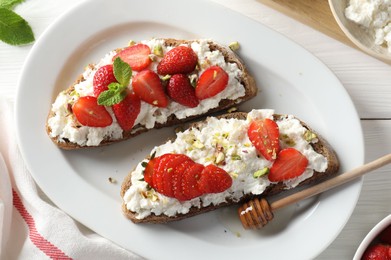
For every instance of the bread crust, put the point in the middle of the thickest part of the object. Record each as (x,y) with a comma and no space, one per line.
(246,79)
(322,147)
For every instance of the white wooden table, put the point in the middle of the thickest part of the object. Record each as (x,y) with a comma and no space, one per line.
(367,80)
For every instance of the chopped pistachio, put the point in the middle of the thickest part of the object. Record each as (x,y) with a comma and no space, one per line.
(150,194)
(225,135)
(219,147)
(74,93)
(233,175)
(205,64)
(154,197)
(247,145)
(234,46)
(289,141)
(158,50)
(220,157)
(261,172)
(193,80)
(166,77)
(152,57)
(309,136)
(236,157)
(131,43)
(210,159)
(198,144)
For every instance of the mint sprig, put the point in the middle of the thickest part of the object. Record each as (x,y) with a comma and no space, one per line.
(14,30)
(117,90)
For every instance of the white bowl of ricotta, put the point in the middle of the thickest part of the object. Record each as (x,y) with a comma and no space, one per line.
(367,23)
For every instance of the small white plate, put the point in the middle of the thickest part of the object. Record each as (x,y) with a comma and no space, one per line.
(289,78)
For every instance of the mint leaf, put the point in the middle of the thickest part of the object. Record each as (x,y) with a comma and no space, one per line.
(9,4)
(122,71)
(115,94)
(117,90)
(14,29)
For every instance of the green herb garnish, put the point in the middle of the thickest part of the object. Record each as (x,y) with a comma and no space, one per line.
(117,90)
(14,30)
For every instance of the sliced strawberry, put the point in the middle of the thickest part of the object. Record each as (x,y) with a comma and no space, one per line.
(190,181)
(149,169)
(163,171)
(211,82)
(179,60)
(264,134)
(177,179)
(385,235)
(89,113)
(127,111)
(181,91)
(148,87)
(173,170)
(137,56)
(159,168)
(290,163)
(214,179)
(102,78)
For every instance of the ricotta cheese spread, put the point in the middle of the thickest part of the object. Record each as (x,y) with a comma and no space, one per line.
(375,15)
(64,125)
(222,140)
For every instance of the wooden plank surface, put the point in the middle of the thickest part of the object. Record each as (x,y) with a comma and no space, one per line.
(314,13)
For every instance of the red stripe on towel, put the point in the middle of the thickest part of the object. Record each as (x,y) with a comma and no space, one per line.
(38,240)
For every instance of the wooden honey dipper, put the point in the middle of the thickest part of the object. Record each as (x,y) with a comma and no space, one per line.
(257,212)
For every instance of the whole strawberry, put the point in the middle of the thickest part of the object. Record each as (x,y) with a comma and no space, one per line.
(127,110)
(102,78)
(179,60)
(180,90)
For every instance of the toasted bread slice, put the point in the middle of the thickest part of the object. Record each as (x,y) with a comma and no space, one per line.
(61,140)
(318,144)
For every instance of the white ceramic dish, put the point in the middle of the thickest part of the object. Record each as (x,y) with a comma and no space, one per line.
(375,231)
(361,37)
(290,80)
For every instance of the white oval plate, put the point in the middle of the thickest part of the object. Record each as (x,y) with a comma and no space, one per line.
(290,80)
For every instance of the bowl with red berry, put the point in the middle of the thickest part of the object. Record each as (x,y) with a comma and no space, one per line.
(377,243)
